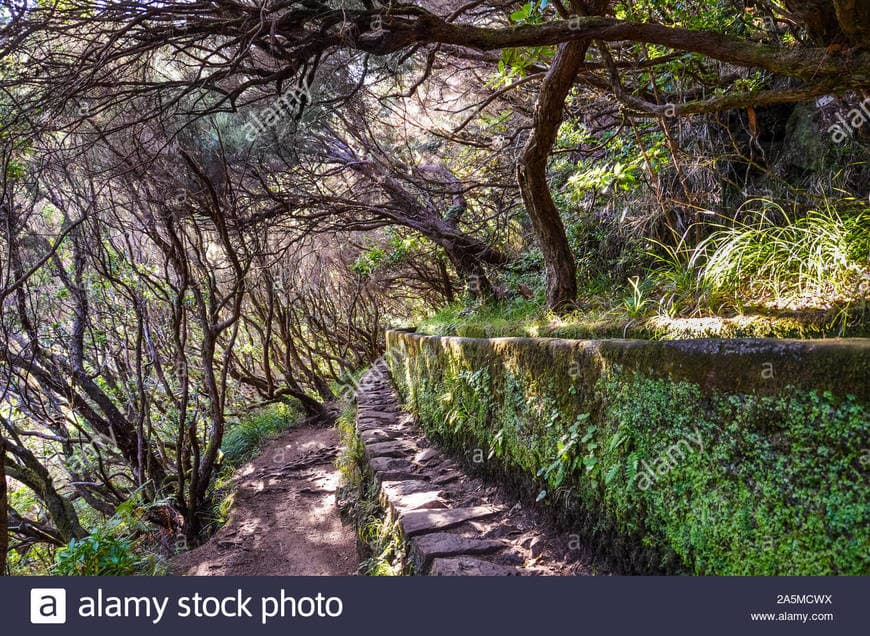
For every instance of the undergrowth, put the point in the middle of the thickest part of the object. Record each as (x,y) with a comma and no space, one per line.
(120,546)
(766,272)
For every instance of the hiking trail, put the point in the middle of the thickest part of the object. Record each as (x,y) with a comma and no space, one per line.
(283,520)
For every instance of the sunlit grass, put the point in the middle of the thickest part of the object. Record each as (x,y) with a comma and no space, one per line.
(243,438)
(822,255)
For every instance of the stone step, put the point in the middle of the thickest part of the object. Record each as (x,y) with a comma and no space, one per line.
(399,488)
(422,521)
(443,544)
(469,566)
(392,448)
(423,500)
(376,436)
(413,478)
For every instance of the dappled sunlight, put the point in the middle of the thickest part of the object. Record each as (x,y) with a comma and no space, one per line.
(282,522)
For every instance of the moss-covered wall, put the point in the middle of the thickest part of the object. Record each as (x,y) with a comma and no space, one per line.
(707,457)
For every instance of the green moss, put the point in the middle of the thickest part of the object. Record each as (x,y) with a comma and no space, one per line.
(776,484)
(776,488)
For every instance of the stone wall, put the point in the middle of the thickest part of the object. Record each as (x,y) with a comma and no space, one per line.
(701,456)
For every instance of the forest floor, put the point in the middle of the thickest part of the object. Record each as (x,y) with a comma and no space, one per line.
(284,519)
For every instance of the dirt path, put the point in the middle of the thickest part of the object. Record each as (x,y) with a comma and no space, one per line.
(284,520)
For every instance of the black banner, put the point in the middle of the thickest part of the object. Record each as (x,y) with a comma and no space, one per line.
(433,605)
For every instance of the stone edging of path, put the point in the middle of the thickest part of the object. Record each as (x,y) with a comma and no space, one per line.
(453,525)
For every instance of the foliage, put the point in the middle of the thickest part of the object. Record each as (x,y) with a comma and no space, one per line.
(351,460)
(776,484)
(492,317)
(398,248)
(775,490)
(116,547)
(607,255)
(678,279)
(383,540)
(98,554)
(824,253)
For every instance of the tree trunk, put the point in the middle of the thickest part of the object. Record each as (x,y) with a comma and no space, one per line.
(4,514)
(469,269)
(854,19)
(834,21)
(532,176)
(37,477)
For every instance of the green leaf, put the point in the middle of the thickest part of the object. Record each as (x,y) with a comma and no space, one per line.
(522,13)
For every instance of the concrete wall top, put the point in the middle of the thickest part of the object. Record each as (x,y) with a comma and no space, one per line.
(756,365)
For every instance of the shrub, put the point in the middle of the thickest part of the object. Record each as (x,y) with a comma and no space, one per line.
(116,547)
(98,554)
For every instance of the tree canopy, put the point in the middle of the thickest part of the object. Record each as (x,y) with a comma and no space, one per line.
(213,207)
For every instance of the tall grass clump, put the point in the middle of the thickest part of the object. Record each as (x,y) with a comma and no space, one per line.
(245,436)
(824,254)
(352,458)
(677,277)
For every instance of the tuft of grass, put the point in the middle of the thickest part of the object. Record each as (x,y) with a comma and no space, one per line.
(637,300)
(384,541)
(378,536)
(379,539)
(677,278)
(224,496)
(243,438)
(822,255)
(352,458)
